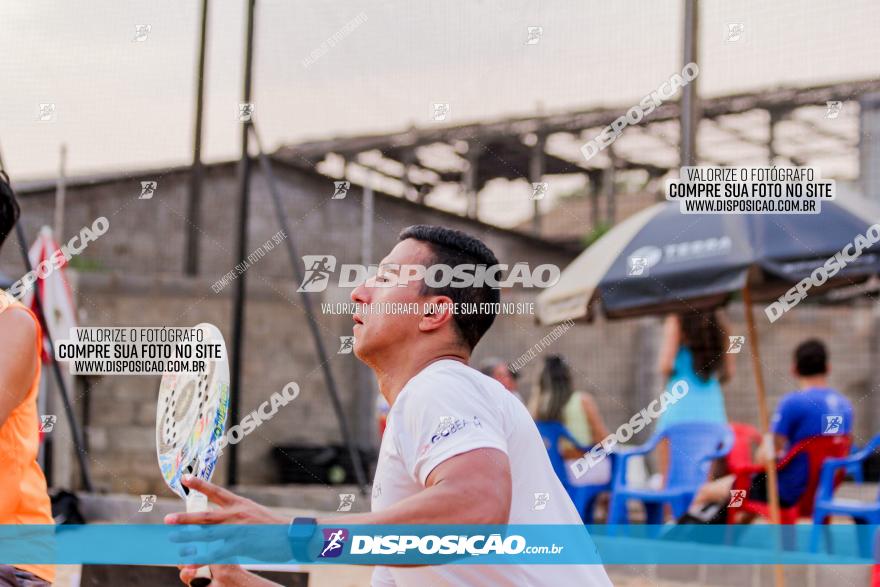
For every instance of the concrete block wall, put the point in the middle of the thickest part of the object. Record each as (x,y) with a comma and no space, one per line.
(135,278)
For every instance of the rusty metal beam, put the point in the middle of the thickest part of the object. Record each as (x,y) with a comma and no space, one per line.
(576,121)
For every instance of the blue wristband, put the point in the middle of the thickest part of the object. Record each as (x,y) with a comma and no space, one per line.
(300,534)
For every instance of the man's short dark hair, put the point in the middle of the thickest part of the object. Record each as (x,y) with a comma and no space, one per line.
(453,247)
(8,208)
(811,358)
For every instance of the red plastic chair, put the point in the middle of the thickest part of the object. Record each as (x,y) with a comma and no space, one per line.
(817,448)
(745,439)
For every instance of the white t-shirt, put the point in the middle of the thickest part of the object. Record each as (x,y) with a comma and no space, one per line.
(449,409)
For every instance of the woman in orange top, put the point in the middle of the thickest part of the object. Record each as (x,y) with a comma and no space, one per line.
(23,495)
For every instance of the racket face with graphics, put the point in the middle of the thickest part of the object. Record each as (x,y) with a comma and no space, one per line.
(191,418)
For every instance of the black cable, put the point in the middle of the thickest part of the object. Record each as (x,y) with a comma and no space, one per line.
(356,462)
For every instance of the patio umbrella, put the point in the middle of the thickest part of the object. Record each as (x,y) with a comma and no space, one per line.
(661,260)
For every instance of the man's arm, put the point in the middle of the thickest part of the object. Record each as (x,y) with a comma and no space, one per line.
(779,445)
(598,429)
(786,414)
(471,488)
(474,487)
(226,576)
(18,359)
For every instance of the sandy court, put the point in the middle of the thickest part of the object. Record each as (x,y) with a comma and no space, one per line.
(319,576)
(351,576)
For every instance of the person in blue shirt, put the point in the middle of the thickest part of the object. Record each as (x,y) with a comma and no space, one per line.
(815,409)
(693,352)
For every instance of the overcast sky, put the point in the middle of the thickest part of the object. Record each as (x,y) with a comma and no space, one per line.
(123,104)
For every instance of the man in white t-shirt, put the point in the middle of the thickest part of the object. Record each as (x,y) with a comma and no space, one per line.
(458,447)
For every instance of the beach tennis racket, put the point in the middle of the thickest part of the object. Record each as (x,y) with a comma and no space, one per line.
(190,421)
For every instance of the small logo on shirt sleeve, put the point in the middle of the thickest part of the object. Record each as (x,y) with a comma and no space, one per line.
(448,426)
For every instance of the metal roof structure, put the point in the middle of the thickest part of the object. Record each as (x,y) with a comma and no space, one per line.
(797,126)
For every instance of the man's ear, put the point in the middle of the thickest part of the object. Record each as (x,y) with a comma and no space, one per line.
(436,311)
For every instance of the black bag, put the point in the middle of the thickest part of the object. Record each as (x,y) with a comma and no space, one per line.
(65,508)
(711,513)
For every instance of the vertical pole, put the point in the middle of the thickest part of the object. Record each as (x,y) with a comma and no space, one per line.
(536,173)
(244,175)
(367,223)
(689,109)
(60,194)
(595,185)
(470,179)
(869,150)
(764,420)
(266,167)
(366,394)
(44,401)
(608,187)
(193,212)
(771,136)
(407,160)
(44,457)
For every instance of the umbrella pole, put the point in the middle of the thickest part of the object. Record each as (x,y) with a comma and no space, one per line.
(764,419)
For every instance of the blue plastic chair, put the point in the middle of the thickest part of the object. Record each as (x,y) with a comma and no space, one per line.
(583,496)
(826,505)
(693,447)
(855,470)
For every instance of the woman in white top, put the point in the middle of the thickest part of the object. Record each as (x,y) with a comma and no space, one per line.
(555,400)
